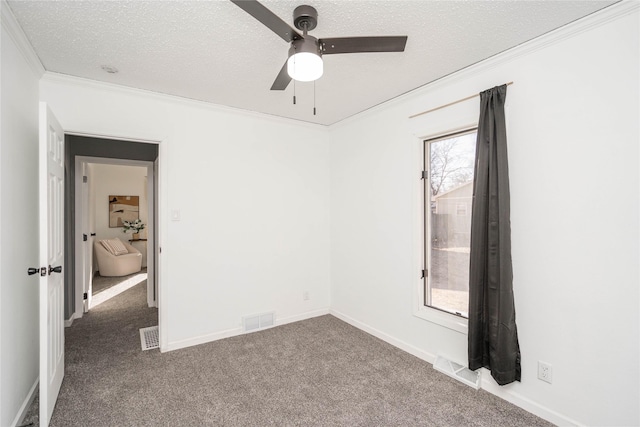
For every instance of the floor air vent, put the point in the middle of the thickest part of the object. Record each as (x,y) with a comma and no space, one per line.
(149,338)
(459,372)
(259,321)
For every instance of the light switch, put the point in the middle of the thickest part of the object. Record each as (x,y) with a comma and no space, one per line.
(175,215)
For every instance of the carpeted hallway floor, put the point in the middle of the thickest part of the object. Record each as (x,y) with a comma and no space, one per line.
(317,372)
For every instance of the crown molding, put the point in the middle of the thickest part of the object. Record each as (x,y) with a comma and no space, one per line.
(18,36)
(572,29)
(58,78)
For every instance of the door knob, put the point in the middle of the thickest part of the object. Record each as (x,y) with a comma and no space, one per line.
(57,269)
(31,271)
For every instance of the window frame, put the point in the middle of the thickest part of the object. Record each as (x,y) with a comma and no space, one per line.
(434,314)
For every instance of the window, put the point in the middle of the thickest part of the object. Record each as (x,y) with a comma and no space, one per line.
(448,191)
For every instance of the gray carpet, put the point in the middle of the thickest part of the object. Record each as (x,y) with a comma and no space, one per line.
(317,372)
(101,283)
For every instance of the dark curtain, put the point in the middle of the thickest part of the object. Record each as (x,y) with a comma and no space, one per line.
(493,338)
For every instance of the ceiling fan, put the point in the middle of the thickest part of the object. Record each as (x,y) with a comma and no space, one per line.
(305,54)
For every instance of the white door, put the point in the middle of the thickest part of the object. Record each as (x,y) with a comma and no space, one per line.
(51,196)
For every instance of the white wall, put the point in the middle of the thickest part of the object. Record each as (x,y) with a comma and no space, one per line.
(253,197)
(19,226)
(573,145)
(116,180)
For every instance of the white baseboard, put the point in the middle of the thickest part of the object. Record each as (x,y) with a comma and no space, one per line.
(421,354)
(303,316)
(24,408)
(487,382)
(202,339)
(503,392)
(68,322)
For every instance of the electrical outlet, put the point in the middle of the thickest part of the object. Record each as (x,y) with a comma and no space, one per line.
(305,295)
(545,372)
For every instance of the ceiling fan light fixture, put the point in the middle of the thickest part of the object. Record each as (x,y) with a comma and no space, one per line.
(305,67)
(305,61)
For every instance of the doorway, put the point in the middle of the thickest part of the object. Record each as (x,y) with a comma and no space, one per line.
(102,189)
(82,154)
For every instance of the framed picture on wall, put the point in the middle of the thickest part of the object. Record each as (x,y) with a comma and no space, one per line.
(123,208)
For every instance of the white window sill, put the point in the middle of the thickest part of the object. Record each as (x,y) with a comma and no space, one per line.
(450,321)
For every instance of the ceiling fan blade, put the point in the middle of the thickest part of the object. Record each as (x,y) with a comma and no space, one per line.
(282,81)
(363,44)
(268,18)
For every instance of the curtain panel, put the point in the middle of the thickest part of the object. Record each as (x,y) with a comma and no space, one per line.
(493,337)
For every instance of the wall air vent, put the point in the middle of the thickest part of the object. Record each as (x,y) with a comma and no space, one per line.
(459,372)
(258,321)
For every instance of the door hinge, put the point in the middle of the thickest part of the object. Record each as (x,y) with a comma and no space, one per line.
(425,175)
(85,296)
(85,179)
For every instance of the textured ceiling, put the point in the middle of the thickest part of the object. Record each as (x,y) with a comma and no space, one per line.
(213,51)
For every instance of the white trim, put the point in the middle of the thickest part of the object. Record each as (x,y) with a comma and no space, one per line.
(114,161)
(151,242)
(162,229)
(447,320)
(20,39)
(78,208)
(504,392)
(572,29)
(404,346)
(1,205)
(151,207)
(26,405)
(69,321)
(302,316)
(174,99)
(114,137)
(487,383)
(202,339)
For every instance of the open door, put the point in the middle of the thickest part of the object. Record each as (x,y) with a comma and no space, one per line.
(51,196)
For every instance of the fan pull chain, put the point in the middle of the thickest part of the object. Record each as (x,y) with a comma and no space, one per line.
(294,82)
(314,97)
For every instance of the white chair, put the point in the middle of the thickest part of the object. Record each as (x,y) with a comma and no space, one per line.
(110,265)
